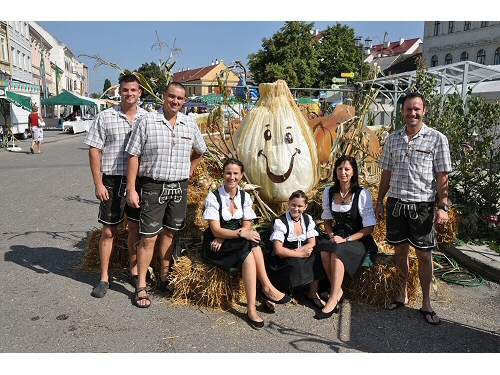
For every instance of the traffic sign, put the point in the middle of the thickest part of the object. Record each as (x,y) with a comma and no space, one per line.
(339,80)
(322,94)
(347,75)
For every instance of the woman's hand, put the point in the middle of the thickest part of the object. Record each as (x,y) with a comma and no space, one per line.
(306,251)
(250,235)
(216,244)
(337,239)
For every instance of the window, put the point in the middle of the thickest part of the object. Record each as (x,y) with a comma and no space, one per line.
(434,61)
(451,27)
(3,49)
(448,59)
(467,25)
(485,23)
(497,57)
(464,56)
(14,56)
(437,28)
(19,61)
(481,57)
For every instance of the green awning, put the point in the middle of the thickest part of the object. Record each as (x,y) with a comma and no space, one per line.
(18,100)
(67,98)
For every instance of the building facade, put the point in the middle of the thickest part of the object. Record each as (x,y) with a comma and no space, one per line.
(448,42)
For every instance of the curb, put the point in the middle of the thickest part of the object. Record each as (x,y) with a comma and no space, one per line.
(485,270)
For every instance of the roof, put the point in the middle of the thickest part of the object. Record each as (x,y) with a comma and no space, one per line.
(395,48)
(193,74)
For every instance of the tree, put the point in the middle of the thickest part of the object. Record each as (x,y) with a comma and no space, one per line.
(337,53)
(154,76)
(107,85)
(290,54)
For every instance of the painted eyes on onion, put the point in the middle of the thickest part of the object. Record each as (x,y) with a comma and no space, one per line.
(268,136)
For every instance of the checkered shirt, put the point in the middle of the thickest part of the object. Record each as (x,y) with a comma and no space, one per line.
(414,164)
(165,152)
(110,132)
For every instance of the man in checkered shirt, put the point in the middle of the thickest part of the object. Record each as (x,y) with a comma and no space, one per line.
(164,150)
(415,162)
(108,135)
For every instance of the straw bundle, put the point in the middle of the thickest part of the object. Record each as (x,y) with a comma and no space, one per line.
(205,285)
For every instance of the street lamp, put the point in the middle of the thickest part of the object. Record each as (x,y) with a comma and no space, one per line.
(364,47)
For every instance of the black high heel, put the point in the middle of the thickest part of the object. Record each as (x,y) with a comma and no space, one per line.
(255,324)
(323,315)
(286,299)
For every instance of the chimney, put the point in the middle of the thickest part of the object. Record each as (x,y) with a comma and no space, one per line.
(401,40)
(387,44)
(212,62)
(216,62)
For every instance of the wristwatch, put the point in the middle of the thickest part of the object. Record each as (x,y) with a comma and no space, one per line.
(349,238)
(444,207)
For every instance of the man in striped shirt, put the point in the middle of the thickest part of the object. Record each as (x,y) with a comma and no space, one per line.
(108,135)
(415,162)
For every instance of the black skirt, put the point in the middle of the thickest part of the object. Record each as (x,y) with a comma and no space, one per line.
(351,253)
(231,255)
(292,272)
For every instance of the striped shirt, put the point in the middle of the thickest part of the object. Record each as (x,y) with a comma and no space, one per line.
(110,132)
(165,151)
(413,164)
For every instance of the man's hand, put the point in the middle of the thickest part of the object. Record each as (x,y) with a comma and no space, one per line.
(133,198)
(101,193)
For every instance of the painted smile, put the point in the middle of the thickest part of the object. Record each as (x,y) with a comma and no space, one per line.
(279,178)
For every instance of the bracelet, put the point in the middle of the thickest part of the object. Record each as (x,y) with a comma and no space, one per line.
(380,203)
(239,232)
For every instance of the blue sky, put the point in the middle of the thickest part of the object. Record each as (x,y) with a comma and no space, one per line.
(124,33)
(130,44)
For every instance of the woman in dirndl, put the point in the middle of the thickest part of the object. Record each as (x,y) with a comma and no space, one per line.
(349,221)
(230,243)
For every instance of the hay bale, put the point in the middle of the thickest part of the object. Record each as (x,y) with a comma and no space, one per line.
(380,284)
(205,285)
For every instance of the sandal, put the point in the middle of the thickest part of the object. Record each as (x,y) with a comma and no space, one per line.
(137,298)
(269,306)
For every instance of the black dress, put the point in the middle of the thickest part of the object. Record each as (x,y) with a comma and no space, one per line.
(233,252)
(286,273)
(352,253)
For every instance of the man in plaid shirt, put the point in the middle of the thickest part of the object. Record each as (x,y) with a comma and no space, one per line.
(415,162)
(164,150)
(107,138)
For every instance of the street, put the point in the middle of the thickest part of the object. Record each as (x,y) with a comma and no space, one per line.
(48,210)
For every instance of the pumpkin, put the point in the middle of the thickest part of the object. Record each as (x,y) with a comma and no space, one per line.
(276,145)
(325,132)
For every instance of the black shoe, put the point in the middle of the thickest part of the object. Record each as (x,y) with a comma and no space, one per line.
(133,279)
(286,299)
(255,324)
(162,287)
(323,315)
(31,150)
(100,289)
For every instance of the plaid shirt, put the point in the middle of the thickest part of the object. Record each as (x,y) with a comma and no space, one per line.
(110,132)
(165,151)
(414,164)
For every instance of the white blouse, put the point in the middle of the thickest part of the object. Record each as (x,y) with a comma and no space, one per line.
(212,206)
(279,230)
(365,207)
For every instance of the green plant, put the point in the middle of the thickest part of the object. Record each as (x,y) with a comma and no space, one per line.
(472,126)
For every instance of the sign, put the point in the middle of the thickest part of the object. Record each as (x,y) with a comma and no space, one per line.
(2,91)
(322,94)
(347,75)
(339,80)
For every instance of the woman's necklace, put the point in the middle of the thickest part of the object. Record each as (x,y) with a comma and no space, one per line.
(296,220)
(231,199)
(343,196)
